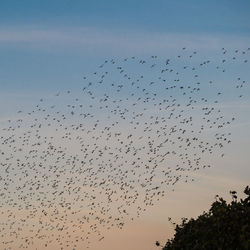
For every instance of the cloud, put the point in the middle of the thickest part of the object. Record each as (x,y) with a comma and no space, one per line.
(116,42)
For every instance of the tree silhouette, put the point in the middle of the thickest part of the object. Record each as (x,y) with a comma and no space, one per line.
(224,226)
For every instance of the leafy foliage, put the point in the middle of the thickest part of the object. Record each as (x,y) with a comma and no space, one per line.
(224,226)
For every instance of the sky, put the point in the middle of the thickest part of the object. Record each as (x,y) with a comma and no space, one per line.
(49,46)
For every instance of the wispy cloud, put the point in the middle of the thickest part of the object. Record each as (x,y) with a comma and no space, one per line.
(118,42)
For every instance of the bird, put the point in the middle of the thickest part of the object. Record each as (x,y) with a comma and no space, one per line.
(100,156)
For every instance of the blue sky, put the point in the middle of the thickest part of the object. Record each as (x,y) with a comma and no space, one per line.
(161,15)
(52,44)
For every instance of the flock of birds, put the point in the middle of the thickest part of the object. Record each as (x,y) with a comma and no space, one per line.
(84,161)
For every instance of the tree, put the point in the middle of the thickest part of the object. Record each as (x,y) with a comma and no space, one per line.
(224,226)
